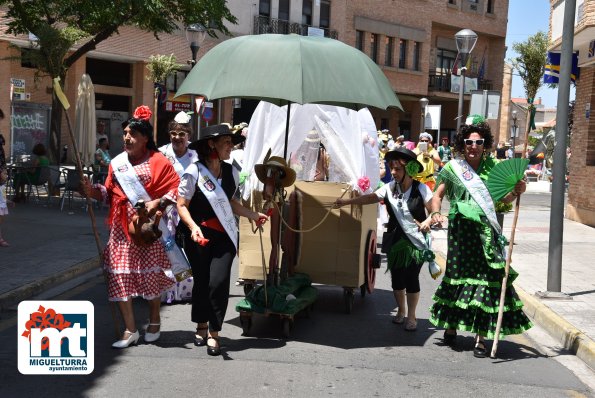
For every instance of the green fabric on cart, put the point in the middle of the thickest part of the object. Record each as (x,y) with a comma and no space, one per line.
(298,285)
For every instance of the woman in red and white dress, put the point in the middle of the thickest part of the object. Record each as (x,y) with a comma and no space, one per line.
(135,268)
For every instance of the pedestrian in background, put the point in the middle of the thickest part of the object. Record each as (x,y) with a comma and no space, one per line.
(468,297)
(429,159)
(31,173)
(444,152)
(2,142)
(4,203)
(180,156)
(206,207)
(408,204)
(136,267)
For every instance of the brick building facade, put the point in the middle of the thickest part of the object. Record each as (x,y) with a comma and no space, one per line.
(411,41)
(581,164)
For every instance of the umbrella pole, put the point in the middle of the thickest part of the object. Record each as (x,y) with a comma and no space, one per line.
(509,256)
(79,167)
(286,130)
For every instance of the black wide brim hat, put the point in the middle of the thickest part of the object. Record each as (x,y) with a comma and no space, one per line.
(216,131)
(405,154)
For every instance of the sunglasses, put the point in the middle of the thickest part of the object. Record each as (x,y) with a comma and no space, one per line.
(179,134)
(477,142)
(424,141)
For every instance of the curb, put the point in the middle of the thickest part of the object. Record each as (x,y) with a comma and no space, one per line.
(569,336)
(15,296)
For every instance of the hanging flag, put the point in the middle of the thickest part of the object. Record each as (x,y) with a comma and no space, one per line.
(552,68)
(455,66)
(468,64)
(482,65)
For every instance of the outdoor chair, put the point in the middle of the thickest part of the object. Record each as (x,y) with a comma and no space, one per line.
(42,181)
(72,184)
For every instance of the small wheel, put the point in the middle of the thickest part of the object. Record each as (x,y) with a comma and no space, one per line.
(246,322)
(349,298)
(286,327)
(248,287)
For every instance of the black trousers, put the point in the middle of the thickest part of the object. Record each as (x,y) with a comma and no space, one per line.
(211,268)
(406,278)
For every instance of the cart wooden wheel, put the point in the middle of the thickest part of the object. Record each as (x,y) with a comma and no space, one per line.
(349,297)
(286,327)
(370,259)
(246,322)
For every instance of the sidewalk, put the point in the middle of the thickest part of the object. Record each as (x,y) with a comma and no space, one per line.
(49,247)
(572,321)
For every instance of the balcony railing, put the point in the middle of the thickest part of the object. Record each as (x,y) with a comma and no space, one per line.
(263,24)
(442,83)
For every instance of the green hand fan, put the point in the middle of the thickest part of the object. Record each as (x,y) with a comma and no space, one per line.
(504,176)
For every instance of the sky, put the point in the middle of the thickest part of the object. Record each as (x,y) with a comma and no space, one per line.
(525,18)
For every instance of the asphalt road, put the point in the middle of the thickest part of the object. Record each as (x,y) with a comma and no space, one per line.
(330,353)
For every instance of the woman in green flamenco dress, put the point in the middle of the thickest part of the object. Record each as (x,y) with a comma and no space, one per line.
(469,296)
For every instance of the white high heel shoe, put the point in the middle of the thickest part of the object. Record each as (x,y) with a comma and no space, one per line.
(132,339)
(151,337)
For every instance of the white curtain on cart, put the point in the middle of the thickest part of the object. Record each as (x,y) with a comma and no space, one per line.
(350,139)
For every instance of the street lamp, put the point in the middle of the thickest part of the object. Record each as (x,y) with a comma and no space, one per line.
(423,102)
(465,40)
(195,35)
(514,132)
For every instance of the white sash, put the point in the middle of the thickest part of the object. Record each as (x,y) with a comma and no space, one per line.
(477,190)
(407,223)
(134,190)
(190,155)
(209,186)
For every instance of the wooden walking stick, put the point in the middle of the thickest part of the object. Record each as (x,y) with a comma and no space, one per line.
(64,101)
(510,247)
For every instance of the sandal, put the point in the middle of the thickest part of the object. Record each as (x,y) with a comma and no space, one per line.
(199,339)
(213,350)
(399,319)
(479,351)
(411,325)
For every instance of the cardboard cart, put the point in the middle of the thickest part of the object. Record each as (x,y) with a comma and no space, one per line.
(340,252)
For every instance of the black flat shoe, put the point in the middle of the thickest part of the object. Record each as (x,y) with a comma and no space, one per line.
(450,338)
(200,341)
(213,351)
(479,351)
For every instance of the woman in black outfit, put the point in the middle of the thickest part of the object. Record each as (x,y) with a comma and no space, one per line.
(407,202)
(206,207)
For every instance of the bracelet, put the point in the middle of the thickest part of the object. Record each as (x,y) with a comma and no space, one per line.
(434,212)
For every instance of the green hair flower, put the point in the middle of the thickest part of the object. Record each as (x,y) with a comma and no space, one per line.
(473,120)
(412,168)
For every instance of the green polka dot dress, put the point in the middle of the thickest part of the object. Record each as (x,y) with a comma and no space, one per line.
(468,298)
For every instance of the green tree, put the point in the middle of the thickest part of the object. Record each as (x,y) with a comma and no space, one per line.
(530,64)
(59,25)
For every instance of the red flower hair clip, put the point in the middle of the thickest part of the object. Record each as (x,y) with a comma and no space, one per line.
(143,112)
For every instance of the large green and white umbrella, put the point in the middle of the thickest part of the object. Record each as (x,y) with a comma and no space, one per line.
(284,69)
